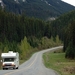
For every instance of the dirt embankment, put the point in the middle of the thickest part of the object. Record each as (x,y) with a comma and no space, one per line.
(70,69)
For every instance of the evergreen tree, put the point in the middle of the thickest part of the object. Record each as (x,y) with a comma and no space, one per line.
(70,40)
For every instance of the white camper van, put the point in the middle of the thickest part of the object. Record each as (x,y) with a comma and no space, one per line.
(10,60)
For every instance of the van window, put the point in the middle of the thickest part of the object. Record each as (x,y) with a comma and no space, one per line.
(8,59)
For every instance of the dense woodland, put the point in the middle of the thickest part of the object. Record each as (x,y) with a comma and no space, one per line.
(27,35)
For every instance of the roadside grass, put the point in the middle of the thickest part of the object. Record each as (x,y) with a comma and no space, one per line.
(56,60)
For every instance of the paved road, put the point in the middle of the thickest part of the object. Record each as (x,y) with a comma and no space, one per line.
(34,66)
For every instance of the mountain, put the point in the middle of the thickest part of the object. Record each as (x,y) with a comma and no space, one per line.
(37,8)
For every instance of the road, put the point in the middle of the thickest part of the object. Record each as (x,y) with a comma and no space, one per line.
(34,66)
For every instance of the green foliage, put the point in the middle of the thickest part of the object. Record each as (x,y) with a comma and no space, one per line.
(48,43)
(39,34)
(70,51)
(1,46)
(25,35)
(64,26)
(44,42)
(15,27)
(24,48)
(70,40)
(0,60)
(59,26)
(6,49)
(57,40)
(34,42)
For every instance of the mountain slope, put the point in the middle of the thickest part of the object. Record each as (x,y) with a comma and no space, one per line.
(38,8)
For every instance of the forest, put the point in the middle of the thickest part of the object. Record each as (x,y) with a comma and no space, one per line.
(25,35)
(28,35)
(64,26)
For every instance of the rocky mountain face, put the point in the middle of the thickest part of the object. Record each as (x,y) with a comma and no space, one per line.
(38,8)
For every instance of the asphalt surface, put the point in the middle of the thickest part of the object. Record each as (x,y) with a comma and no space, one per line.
(34,66)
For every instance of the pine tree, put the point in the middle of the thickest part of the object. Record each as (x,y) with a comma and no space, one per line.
(70,41)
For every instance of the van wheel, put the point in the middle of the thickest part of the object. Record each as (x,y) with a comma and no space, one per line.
(13,68)
(6,68)
(17,68)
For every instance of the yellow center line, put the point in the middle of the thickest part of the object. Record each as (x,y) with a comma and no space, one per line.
(9,73)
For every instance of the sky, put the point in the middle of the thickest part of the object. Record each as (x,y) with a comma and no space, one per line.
(72,2)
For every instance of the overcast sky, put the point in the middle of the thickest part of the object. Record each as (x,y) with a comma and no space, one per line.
(72,2)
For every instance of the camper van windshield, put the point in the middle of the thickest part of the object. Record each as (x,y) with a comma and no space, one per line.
(9,59)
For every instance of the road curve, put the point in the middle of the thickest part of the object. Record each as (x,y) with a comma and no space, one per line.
(34,66)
